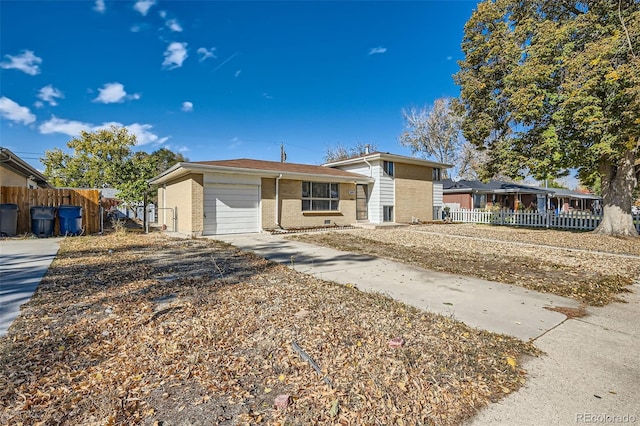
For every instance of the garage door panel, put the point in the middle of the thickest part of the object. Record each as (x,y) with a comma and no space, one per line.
(231,209)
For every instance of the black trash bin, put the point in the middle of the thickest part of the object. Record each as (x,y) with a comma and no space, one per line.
(70,218)
(42,221)
(8,219)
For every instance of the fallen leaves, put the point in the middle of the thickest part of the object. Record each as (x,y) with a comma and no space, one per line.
(168,331)
(565,263)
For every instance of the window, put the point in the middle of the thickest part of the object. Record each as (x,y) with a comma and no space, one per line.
(479,201)
(388,167)
(387,213)
(436,174)
(318,196)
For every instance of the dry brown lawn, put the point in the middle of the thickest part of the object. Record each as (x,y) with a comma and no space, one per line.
(134,329)
(587,267)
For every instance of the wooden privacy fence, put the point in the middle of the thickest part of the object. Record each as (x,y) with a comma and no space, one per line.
(585,221)
(25,198)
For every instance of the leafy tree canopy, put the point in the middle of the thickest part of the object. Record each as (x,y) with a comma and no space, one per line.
(551,86)
(105,158)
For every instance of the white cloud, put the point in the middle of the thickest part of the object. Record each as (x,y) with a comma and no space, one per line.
(49,94)
(143,132)
(206,53)
(100,6)
(114,93)
(267,96)
(144,135)
(163,14)
(14,112)
(177,148)
(61,125)
(237,74)
(449,58)
(175,55)
(173,25)
(26,62)
(187,106)
(143,6)
(376,50)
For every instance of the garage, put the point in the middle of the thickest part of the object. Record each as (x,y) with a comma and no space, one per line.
(231,209)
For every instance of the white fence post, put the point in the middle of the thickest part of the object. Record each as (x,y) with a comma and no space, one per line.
(585,221)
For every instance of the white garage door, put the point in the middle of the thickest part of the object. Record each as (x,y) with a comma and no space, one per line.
(230,209)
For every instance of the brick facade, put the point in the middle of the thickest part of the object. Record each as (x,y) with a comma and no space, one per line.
(179,195)
(197,200)
(290,206)
(413,193)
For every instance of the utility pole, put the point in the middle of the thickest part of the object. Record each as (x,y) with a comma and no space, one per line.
(283,155)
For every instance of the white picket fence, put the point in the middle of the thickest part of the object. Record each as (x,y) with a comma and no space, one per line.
(585,221)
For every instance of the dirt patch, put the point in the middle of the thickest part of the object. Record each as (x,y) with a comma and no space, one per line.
(578,312)
(590,270)
(137,329)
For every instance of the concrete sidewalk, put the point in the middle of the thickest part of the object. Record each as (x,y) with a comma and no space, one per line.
(23,263)
(589,374)
(483,304)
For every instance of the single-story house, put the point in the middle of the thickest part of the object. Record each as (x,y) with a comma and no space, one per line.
(566,200)
(246,195)
(473,194)
(14,171)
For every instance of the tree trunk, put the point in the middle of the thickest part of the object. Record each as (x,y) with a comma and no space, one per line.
(618,183)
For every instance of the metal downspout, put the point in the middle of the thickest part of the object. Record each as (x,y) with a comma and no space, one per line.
(370,167)
(278,200)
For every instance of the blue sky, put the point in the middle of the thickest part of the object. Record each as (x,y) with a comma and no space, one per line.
(219,80)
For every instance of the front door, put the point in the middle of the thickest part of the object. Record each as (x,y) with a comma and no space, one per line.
(361,202)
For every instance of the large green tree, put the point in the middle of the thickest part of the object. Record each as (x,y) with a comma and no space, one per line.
(95,161)
(105,158)
(552,86)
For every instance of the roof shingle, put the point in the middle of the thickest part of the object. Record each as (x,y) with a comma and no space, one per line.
(275,166)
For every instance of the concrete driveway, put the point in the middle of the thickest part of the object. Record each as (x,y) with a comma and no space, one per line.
(505,309)
(23,263)
(590,372)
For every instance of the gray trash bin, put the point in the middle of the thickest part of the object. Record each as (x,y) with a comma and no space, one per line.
(42,221)
(8,220)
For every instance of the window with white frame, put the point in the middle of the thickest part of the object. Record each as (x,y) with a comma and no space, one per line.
(320,196)
(387,166)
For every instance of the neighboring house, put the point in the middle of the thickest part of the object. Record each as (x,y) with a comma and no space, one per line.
(567,200)
(14,171)
(473,194)
(245,195)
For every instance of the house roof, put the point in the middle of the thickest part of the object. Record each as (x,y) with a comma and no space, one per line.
(16,164)
(491,187)
(567,193)
(385,156)
(499,187)
(261,168)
